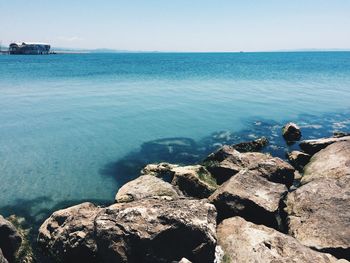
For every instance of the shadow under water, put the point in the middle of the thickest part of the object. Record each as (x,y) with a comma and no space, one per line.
(188,151)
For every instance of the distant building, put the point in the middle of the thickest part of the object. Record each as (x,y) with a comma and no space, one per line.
(27,48)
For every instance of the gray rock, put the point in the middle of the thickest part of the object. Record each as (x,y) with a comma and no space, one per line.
(68,234)
(339,134)
(298,159)
(10,240)
(146,186)
(252,146)
(245,242)
(331,162)
(313,146)
(148,230)
(194,181)
(291,132)
(318,215)
(184,260)
(248,194)
(154,230)
(226,162)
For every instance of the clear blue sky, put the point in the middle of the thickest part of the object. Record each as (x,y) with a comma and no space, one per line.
(179,25)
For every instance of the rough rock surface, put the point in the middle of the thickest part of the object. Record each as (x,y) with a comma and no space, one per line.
(313,146)
(226,162)
(252,146)
(319,215)
(68,234)
(194,180)
(331,162)
(298,159)
(146,186)
(148,230)
(157,231)
(10,240)
(291,132)
(245,242)
(249,195)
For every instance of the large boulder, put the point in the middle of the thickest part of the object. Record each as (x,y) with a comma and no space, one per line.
(291,132)
(148,230)
(157,231)
(146,186)
(226,162)
(331,162)
(248,194)
(10,240)
(245,242)
(68,234)
(313,146)
(319,213)
(194,181)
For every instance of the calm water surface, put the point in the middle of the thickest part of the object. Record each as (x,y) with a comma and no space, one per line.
(68,123)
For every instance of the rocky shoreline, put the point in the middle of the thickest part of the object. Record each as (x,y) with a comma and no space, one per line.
(238,205)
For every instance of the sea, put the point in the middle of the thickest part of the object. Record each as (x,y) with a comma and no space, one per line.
(76,127)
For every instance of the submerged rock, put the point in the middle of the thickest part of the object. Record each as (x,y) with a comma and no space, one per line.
(148,230)
(313,146)
(248,194)
(194,181)
(298,159)
(252,146)
(318,215)
(331,162)
(68,234)
(245,242)
(226,162)
(291,132)
(10,240)
(146,186)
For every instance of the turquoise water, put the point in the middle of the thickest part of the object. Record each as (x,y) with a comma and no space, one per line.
(72,126)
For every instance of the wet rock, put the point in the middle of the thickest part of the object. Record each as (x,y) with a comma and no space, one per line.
(2,258)
(331,162)
(226,162)
(248,194)
(68,234)
(318,215)
(245,242)
(291,132)
(146,186)
(10,240)
(194,181)
(298,159)
(153,230)
(313,146)
(252,146)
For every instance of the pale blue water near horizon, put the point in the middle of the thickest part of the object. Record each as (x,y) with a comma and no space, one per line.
(66,120)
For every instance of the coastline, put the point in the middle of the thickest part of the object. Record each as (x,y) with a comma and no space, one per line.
(199,186)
